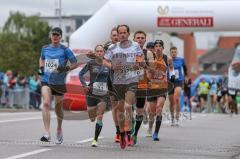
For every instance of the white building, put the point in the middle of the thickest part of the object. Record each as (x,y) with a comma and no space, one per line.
(68,24)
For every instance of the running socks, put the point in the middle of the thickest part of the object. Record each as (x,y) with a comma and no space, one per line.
(139,119)
(117,130)
(98,129)
(158,123)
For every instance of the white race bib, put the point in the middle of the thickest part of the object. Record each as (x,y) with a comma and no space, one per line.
(100,88)
(131,58)
(176,74)
(51,65)
(133,74)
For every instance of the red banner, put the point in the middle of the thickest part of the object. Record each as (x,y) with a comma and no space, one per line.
(185,22)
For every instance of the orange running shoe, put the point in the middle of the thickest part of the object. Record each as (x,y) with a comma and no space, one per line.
(117,138)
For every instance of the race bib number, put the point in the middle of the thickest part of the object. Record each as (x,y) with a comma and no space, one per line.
(51,65)
(176,74)
(100,88)
(133,74)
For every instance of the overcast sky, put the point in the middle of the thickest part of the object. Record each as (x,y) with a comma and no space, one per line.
(46,7)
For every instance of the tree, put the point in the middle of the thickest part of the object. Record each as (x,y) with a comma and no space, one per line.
(20,43)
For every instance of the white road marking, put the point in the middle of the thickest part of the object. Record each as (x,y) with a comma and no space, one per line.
(88,140)
(22,119)
(28,154)
(19,113)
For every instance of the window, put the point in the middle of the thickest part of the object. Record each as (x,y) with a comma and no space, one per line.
(67,39)
(68,29)
(214,67)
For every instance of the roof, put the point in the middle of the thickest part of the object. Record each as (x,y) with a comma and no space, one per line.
(228,42)
(217,55)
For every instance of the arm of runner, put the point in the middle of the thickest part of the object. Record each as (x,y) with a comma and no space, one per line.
(171,69)
(73,60)
(41,63)
(84,70)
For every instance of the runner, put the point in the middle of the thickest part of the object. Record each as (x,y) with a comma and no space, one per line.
(213,94)
(157,75)
(97,91)
(187,95)
(203,88)
(122,58)
(225,91)
(232,101)
(140,38)
(114,40)
(174,94)
(149,57)
(53,70)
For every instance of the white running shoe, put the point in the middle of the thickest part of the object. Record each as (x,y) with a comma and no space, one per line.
(177,122)
(59,137)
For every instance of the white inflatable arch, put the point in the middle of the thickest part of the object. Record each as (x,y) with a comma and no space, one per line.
(157,15)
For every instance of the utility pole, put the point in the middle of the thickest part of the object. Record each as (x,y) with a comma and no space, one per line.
(60,13)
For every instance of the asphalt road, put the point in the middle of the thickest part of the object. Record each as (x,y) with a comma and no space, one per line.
(207,136)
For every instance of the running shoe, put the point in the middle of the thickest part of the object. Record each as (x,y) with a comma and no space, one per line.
(155,137)
(122,142)
(117,138)
(59,137)
(45,138)
(177,123)
(134,137)
(94,143)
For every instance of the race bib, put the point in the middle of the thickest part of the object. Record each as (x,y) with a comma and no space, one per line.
(176,74)
(133,74)
(100,88)
(131,58)
(203,89)
(158,76)
(51,65)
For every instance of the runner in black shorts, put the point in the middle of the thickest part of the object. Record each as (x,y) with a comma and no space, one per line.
(114,40)
(97,90)
(157,76)
(178,81)
(140,38)
(53,70)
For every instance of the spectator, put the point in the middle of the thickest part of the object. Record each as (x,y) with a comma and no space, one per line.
(34,86)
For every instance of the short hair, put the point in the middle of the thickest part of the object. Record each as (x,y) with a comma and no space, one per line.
(123,25)
(139,32)
(159,42)
(173,48)
(114,29)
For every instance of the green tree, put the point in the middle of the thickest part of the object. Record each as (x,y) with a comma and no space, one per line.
(21,40)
